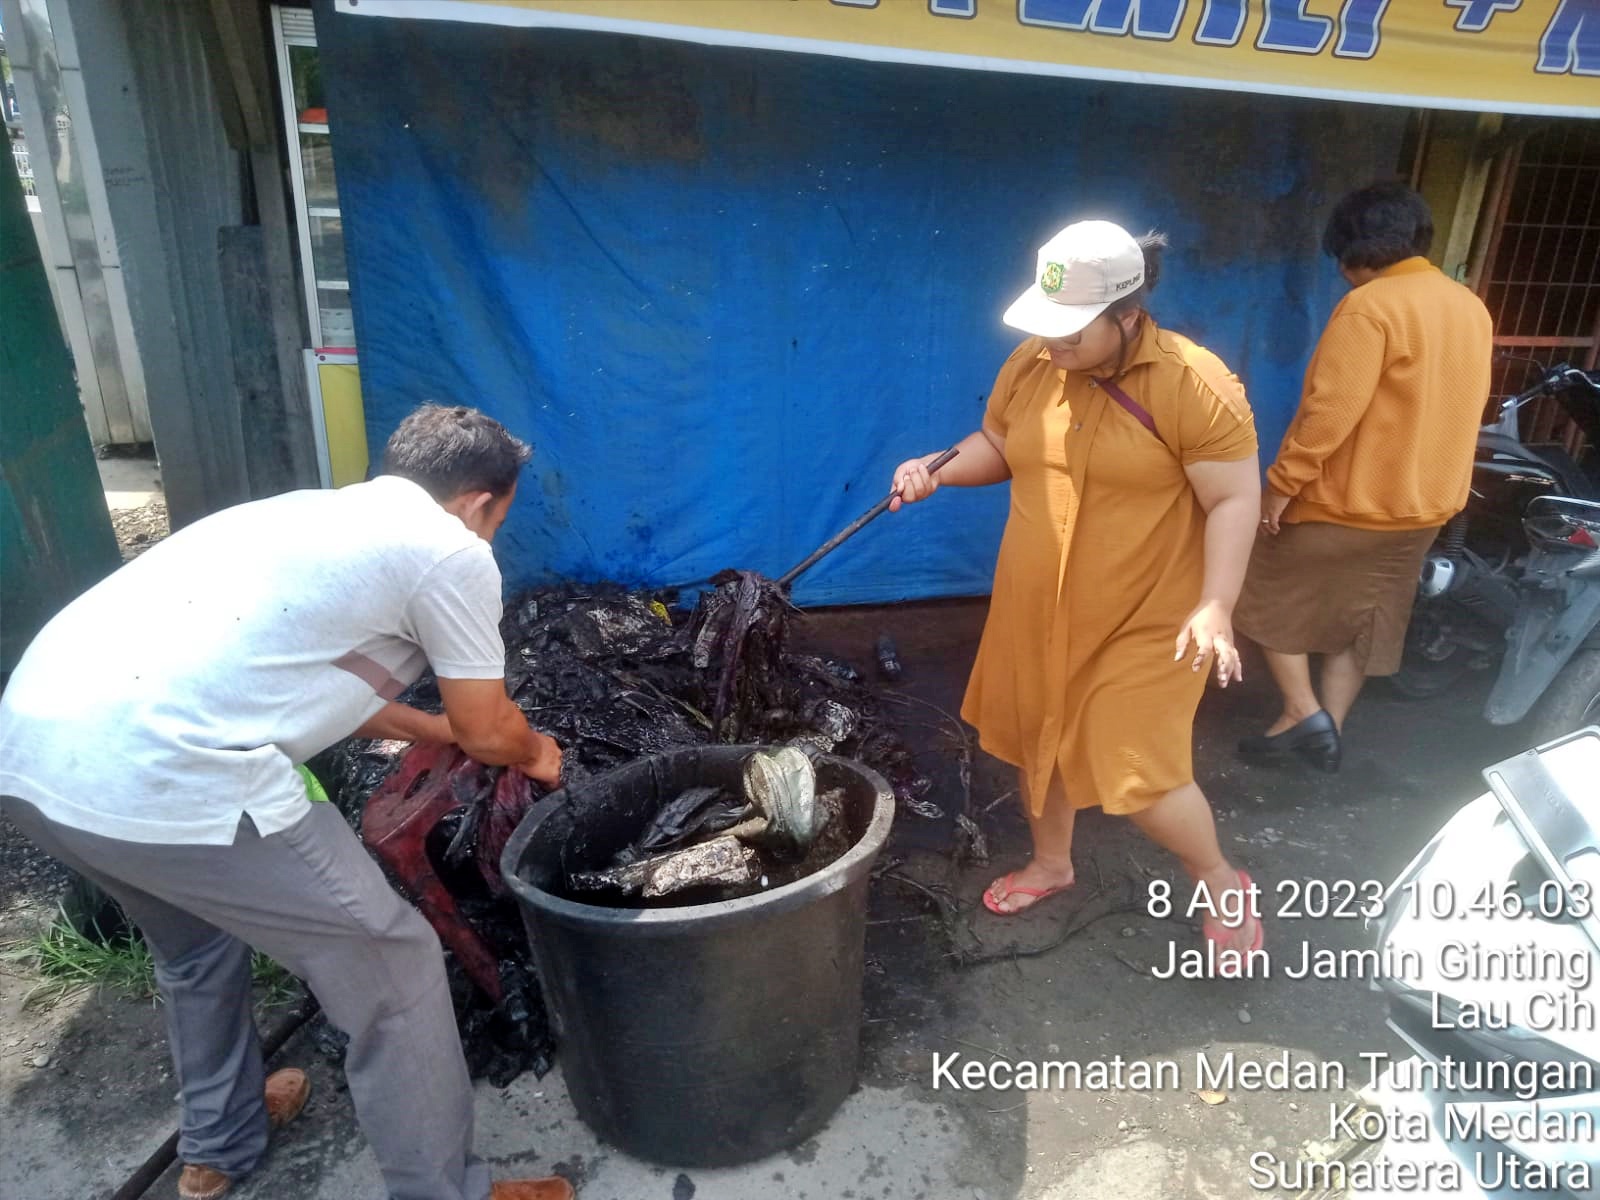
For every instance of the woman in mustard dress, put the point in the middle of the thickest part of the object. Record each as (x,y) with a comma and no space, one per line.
(1135,491)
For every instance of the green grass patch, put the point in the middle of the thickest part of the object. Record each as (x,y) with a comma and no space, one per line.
(69,963)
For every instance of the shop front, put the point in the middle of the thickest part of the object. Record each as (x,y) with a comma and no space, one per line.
(725,264)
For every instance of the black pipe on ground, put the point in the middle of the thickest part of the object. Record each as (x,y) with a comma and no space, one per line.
(154,1167)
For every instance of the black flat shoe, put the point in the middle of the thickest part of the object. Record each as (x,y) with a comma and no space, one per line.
(1316,739)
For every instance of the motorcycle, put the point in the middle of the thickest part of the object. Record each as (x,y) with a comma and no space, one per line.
(1492,939)
(1514,580)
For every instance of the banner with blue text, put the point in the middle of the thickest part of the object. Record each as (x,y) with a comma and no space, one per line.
(1524,56)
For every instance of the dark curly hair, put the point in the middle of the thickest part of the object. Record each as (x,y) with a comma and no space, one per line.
(1378,226)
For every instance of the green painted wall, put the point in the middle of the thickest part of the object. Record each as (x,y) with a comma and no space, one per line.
(55,532)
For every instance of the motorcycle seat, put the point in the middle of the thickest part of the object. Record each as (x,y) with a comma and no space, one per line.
(1552,457)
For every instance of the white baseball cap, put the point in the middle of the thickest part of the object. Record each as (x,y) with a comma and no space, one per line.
(1082,270)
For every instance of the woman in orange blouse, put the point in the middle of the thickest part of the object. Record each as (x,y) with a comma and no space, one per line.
(1131,454)
(1378,457)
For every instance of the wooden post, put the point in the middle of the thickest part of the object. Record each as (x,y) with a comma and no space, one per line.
(1464,226)
(241,38)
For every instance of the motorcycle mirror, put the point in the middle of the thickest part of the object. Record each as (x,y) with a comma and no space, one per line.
(1505,355)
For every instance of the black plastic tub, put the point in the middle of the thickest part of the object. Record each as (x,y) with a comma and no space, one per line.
(708,1034)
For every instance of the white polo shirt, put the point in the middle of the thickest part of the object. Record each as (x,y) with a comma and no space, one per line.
(180,692)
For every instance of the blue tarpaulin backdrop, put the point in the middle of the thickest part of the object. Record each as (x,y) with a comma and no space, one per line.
(724,291)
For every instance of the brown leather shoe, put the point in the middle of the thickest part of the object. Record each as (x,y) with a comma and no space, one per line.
(552,1188)
(202,1183)
(287,1092)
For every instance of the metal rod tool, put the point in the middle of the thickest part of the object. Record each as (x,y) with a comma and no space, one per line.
(855,526)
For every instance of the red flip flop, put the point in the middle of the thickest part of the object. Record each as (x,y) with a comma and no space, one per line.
(1217,934)
(992,902)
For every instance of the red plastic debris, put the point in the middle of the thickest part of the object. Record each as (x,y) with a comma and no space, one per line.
(431,782)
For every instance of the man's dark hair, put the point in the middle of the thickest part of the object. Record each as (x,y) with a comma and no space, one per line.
(449,451)
(1378,226)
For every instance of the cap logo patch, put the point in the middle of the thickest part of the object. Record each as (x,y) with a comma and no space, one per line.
(1050,281)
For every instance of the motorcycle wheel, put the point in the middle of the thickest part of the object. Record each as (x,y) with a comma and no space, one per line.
(1571,701)
(1419,678)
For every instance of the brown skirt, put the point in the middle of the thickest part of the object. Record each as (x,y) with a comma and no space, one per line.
(1318,588)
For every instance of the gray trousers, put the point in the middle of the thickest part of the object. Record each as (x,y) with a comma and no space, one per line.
(311,898)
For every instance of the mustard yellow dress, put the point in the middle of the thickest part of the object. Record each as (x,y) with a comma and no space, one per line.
(1102,560)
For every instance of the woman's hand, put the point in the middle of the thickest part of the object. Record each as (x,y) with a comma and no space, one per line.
(1210,628)
(545,765)
(1272,506)
(912,482)
(980,460)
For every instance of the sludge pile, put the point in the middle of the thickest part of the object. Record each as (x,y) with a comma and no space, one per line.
(612,678)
